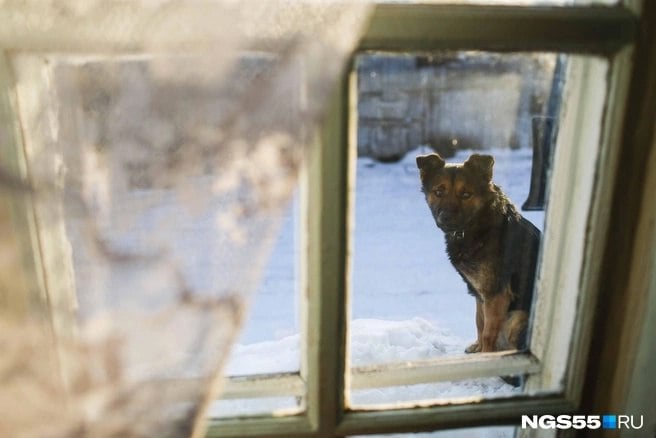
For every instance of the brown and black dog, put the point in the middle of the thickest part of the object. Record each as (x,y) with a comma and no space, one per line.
(491,245)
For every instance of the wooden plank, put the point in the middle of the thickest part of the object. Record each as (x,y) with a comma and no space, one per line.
(566,244)
(412,27)
(419,417)
(469,413)
(616,88)
(266,385)
(443,369)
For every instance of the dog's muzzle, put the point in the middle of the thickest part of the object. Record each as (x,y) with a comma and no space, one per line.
(447,221)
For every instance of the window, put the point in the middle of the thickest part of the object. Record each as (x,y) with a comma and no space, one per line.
(593,82)
(320,397)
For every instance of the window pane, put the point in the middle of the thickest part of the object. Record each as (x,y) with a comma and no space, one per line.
(409,302)
(163,227)
(269,341)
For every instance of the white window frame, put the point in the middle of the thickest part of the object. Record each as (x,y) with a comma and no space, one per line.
(328,205)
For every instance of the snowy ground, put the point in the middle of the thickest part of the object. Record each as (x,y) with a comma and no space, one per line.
(407,300)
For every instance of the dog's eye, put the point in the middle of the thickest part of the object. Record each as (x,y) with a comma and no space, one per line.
(465,195)
(439,192)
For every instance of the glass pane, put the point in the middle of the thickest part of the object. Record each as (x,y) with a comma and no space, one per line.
(409,301)
(166,236)
(269,341)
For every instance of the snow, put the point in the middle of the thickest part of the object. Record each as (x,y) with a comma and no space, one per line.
(382,341)
(407,300)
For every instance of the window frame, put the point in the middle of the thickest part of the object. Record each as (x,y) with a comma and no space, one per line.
(605,31)
(404,28)
(390,25)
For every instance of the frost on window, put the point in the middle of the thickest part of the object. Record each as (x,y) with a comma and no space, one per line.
(160,180)
(409,302)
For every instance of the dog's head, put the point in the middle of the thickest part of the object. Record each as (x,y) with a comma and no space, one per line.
(456,193)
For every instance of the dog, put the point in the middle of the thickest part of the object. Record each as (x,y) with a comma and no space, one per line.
(491,245)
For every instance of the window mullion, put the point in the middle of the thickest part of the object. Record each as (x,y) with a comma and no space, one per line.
(326,234)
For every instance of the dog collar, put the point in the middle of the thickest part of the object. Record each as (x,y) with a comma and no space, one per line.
(457,234)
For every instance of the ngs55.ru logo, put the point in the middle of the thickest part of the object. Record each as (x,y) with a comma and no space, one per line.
(582,422)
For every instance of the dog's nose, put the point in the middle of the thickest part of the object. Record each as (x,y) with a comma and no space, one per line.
(447,217)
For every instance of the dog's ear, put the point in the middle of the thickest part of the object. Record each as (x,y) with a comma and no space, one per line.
(428,163)
(481,164)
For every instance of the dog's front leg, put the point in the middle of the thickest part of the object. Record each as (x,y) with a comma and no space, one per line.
(480,322)
(495,308)
(476,346)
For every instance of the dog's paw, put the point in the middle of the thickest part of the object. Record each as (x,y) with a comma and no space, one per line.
(473,348)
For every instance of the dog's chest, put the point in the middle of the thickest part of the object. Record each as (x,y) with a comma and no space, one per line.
(475,266)
(479,275)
